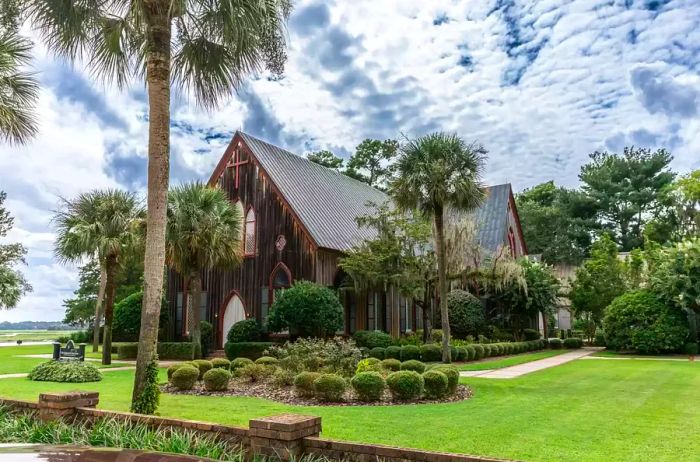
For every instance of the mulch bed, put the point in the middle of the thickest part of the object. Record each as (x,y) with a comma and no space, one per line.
(287,395)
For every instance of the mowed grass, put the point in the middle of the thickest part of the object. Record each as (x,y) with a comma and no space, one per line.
(509,361)
(12,360)
(580,411)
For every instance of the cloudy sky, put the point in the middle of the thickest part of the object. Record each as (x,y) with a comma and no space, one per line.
(540,83)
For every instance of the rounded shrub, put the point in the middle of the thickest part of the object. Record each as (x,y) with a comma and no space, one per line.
(185,377)
(377,352)
(203,365)
(435,384)
(573,342)
(466,314)
(413,365)
(555,343)
(239,363)
(392,352)
(471,352)
(531,334)
(410,352)
(487,350)
(452,374)
(304,383)
(173,368)
(479,351)
(369,386)
(391,364)
(267,361)
(216,379)
(369,365)
(283,377)
(430,353)
(405,385)
(372,338)
(330,387)
(308,309)
(247,330)
(221,363)
(65,371)
(255,372)
(462,354)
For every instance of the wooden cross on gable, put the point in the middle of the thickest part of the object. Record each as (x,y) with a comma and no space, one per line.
(236,163)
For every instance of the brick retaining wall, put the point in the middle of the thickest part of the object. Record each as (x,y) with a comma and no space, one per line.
(286,436)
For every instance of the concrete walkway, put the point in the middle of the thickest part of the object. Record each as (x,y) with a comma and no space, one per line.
(526,368)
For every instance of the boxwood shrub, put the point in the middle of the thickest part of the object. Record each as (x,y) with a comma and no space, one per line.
(267,361)
(247,330)
(487,350)
(251,350)
(392,352)
(479,351)
(410,352)
(452,374)
(413,365)
(573,342)
(462,354)
(255,372)
(65,371)
(372,338)
(128,351)
(405,385)
(435,384)
(391,364)
(430,353)
(221,363)
(173,368)
(369,386)
(555,343)
(185,377)
(377,352)
(203,365)
(304,383)
(176,350)
(216,379)
(238,363)
(471,352)
(369,365)
(330,387)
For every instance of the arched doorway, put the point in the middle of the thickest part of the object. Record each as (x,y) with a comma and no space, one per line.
(234,312)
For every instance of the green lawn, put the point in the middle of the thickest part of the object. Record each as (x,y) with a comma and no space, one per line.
(11,361)
(11,336)
(583,411)
(614,354)
(510,361)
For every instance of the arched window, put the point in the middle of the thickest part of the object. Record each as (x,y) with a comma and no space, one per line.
(280,279)
(249,245)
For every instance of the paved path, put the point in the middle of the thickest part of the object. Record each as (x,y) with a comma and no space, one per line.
(526,368)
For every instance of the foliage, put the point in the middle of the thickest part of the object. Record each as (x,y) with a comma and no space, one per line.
(531,334)
(252,350)
(675,274)
(185,377)
(330,388)
(173,368)
(466,314)
(369,386)
(639,321)
(80,310)
(391,364)
(336,355)
(410,352)
(430,353)
(452,374)
(238,363)
(393,351)
(221,363)
(65,371)
(555,343)
(247,330)
(216,379)
(573,342)
(267,361)
(283,377)
(435,383)
(175,350)
(149,399)
(207,337)
(462,354)
(627,189)
(128,350)
(557,222)
(377,352)
(203,365)
(12,283)
(369,365)
(680,216)
(372,338)
(127,317)
(691,348)
(405,385)
(371,162)
(307,309)
(304,383)
(326,159)
(471,353)
(255,372)
(19,90)
(413,365)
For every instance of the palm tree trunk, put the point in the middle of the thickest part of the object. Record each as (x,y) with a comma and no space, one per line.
(98,309)
(195,310)
(158,32)
(110,287)
(442,283)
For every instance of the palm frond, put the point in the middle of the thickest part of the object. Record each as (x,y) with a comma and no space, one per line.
(18,90)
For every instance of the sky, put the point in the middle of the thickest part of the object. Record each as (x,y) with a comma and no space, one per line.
(541,84)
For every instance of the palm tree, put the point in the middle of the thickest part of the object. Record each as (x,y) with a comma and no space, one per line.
(215,45)
(104,223)
(18,90)
(204,231)
(434,173)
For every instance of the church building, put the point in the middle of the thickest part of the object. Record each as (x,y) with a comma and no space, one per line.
(299,218)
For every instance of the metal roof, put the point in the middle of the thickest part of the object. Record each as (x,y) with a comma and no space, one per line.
(328,202)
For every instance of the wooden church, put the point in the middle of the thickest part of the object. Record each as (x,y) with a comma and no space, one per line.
(299,219)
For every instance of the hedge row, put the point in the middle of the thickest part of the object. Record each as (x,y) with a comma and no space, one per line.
(251,350)
(166,350)
(432,352)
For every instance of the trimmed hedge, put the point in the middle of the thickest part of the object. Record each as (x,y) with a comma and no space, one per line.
(471,353)
(255,372)
(304,383)
(430,353)
(65,371)
(203,365)
(247,330)
(377,352)
(221,363)
(216,379)
(250,350)
(573,342)
(392,352)
(435,384)
(330,388)
(267,361)
(462,354)
(479,352)
(405,385)
(239,363)
(409,352)
(128,351)
(555,343)
(391,364)
(369,386)
(166,350)
(372,338)
(413,365)
(185,377)
(452,374)
(369,365)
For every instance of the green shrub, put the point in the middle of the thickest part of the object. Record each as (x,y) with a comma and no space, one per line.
(639,321)
(435,383)
(466,314)
(369,386)
(221,363)
(372,338)
(452,374)
(691,348)
(244,331)
(175,367)
(239,363)
(377,352)
(479,352)
(304,383)
(531,334)
(176,350)
(307,309)
(436,336)
(573,342)
(555,343)
(128,351)
(405,385)
(206,341)
(255,372)
(461,355)
(330,388)
(267,361)
(126,322)
(391,364)
(147,402)
(392,352)
(599,339)
(283,377)
(185,377)
(203,365)
(336,355)
(410,352)
(369,365)
(430,353)
(251,350)
(216,379)
(471,352)
(413,365)
(487,350)
(65,371)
